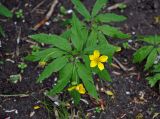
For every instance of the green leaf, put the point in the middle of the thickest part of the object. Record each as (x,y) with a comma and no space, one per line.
(141,54)
(76,96)
(98,6)
(151,58)
(81,9)
(45,55)
(156,68)
(113,32)
(151,39)
(87,80)
(110,17)
(104,75)
(54,40)
(92,39)
(2,31)
(64,78)
(86,61)
(75,77)
(5,11)
(66,34)
(54,66)
(79,33)
(154,79)
(102,39)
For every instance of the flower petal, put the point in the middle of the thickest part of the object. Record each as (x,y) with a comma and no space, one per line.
(71,88)
(93,64)
(91,57)
(103,58)
(80,88)
(96,53)
(100,66)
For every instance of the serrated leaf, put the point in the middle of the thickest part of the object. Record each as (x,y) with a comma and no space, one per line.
(87,80)
(113,32)
(141,54)
(66,34)
(81,9)
(5,11)
(104,75)
(46,54)
(64,78)
(79,33)
(151,58)
(154,79)
(54,66)
(110,17)
(156,68)
(154,40)
(54,40)
(92,39)
(102,39)
(86,61)
(98,6)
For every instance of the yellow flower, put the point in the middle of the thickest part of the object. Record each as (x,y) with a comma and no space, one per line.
(96,59)
(80,88)
(42,63)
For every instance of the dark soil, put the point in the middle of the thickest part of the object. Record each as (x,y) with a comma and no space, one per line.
(133,98)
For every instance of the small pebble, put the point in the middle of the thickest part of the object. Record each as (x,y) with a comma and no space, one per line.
(128,93)
(15,23)
(47,23)
(55,79)
(133,33)
(69,11)
(130,41)
(57,103)
(156,62)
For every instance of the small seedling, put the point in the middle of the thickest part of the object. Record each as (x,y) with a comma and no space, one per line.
(35,48)
(15,78)
(98,109)
(151,53)
(126,45)
(122,6)
(22,66)
(19,14)
(63,10)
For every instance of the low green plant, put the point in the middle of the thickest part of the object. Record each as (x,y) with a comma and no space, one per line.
(20,14)
(22,66)
(6,13)
(99,23)
(78,53)
(150,52)
(125,45)
(122,6)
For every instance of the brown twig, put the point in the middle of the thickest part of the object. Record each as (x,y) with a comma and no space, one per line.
(15,95)
(37,6)
(121,65)
(47,17)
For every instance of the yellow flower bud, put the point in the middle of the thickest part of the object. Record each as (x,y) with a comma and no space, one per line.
(42,63)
